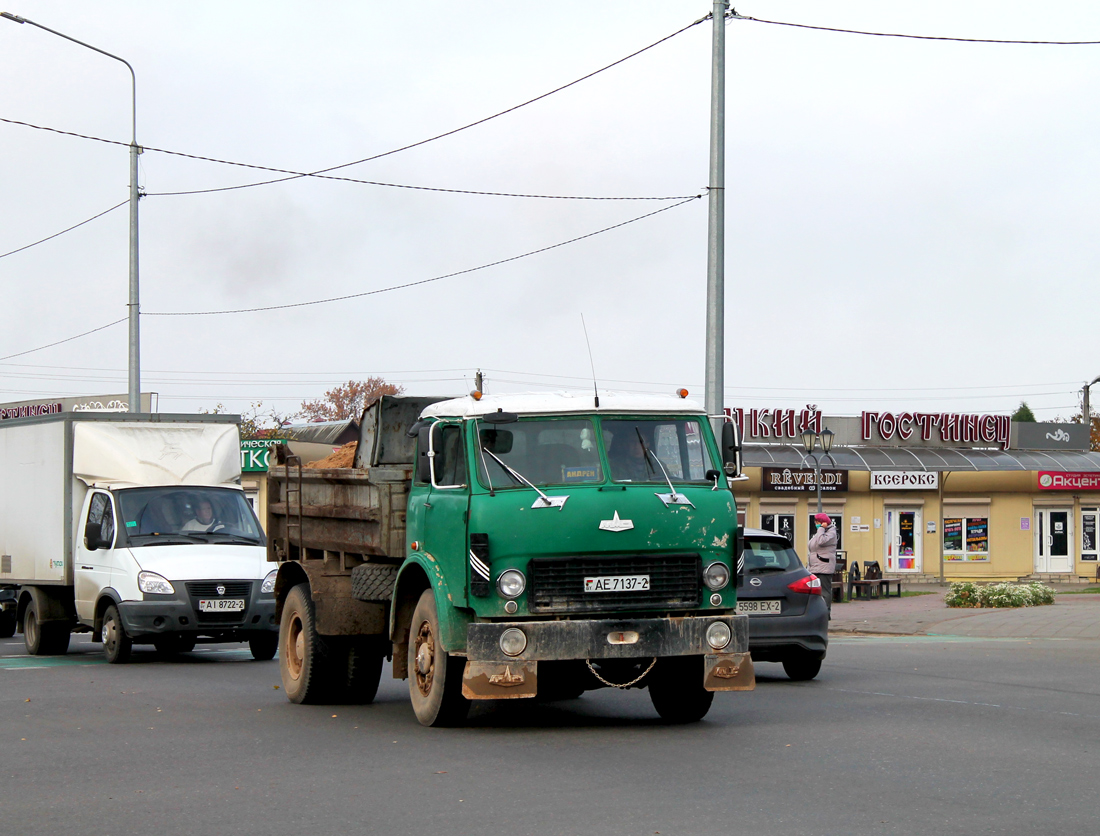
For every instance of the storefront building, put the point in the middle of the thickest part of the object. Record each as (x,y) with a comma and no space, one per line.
(930,495)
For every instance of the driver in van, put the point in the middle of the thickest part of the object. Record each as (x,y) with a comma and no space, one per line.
(204,518)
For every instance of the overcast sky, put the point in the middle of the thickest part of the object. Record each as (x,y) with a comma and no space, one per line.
(911,225)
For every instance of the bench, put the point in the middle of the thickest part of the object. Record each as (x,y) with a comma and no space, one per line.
(872,584)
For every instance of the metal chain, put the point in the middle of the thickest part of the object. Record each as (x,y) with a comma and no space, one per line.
(634,681)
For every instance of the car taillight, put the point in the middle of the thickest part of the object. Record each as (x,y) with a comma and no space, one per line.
(809,585)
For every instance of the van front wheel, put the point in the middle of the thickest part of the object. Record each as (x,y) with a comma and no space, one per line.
(116,644)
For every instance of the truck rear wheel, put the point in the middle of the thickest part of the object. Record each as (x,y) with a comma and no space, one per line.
(303,659)
(263,646)
(116,644)
(49,639)
(676,689)
(364,671)
(435,677)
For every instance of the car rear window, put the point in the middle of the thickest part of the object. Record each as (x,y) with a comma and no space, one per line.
(762,555)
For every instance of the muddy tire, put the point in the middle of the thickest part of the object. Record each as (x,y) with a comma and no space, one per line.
(676,689)
(49,639)
(117,646)
(263,646)
(801,668)
(304,659)
(363,671)
(435,677)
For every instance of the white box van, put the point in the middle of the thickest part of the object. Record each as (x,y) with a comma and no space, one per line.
(133,528)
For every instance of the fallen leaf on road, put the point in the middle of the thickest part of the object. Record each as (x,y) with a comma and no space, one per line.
(444,772)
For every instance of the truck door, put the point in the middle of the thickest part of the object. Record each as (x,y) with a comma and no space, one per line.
(444,528)
(92,568)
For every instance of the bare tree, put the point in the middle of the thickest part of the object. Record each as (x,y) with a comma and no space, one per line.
(347,401)
(256,422)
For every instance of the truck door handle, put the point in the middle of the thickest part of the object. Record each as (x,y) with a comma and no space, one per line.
(87,567)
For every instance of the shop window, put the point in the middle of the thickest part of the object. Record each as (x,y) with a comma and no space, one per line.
(837,524)
(1090,518)
(966,539)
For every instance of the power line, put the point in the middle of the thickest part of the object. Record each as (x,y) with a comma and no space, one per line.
(732,15)
(62,232)
(318,176)
(423,281)
(66,340)
(321,173)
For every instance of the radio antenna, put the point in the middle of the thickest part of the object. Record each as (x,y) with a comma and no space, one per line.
(591,362)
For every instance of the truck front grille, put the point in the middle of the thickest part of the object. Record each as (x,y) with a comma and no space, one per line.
(557,584)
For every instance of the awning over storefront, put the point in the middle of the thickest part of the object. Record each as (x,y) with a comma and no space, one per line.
(922,458)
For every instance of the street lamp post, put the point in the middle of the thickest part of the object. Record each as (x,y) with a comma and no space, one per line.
(132,306)
(809,440)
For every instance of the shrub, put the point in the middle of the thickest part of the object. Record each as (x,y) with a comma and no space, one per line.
(969,594)
(963,594)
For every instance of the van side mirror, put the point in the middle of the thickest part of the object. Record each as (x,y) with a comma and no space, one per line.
(731,449)
(423,460)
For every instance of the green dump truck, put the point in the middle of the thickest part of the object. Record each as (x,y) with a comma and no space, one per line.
(510,546)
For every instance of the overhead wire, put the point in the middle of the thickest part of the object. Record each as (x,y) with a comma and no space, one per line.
(66,340)
(62,232)
(423,281)
(732,15)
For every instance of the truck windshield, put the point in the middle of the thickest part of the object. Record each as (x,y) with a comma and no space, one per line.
(677,442)
(157,516)
(545,452)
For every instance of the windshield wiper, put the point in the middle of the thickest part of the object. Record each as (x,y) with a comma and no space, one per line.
(670,498)
(543,501)
(173,539)
(235,538)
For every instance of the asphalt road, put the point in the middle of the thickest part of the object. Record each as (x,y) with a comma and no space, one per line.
(897,735)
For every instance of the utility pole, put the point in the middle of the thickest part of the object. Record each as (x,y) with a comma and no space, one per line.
(714,394)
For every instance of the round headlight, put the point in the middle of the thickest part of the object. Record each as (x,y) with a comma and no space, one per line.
(513,641)
(718,635)
(716,575)
(511,583)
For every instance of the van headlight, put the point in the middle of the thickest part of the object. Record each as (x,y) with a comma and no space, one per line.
(154,584)
(511,583)
(268,586)
(716,576)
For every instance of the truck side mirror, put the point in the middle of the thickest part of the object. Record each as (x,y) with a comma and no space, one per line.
(423,460)
(731,450)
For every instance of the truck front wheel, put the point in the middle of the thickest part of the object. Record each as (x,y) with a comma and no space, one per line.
(676,689)
(435,677)
(116,644)
(303,661)
(49,639)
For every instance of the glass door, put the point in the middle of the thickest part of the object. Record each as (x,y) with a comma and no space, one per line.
(1052,536)
(779,524)
(903,540)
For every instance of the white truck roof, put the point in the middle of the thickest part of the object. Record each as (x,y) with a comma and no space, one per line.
(558,403)
(133,453)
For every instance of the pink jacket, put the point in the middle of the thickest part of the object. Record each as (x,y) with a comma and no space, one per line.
(821,554)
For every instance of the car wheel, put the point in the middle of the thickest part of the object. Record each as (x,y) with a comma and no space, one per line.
(676,689)
(801,668)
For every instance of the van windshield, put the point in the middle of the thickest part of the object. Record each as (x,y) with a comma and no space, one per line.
(164,515)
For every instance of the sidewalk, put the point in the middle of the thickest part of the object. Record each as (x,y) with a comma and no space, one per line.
(1071,616)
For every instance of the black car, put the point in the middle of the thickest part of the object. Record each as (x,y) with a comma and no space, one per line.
(788,618)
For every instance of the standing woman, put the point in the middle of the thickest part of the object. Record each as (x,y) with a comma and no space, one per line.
(822,556)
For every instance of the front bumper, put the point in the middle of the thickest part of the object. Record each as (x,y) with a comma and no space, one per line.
(606,638)
(167,614)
